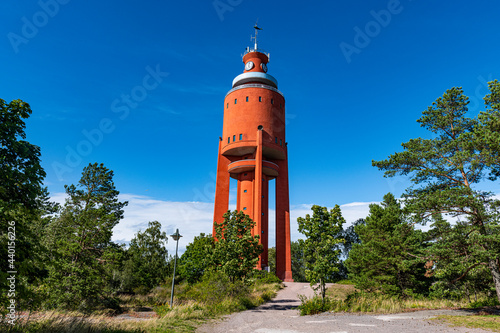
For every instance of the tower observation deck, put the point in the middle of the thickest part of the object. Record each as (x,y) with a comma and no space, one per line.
(253,151)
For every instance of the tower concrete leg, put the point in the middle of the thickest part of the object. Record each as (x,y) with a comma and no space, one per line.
(221,204)
(283,250)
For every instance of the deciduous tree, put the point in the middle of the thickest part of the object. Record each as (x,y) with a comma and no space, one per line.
(149,256)
(236,251)
(22,204)
(321,250)
(194,262)
(298,261)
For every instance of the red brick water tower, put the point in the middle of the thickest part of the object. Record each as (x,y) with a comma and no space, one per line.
(253,150)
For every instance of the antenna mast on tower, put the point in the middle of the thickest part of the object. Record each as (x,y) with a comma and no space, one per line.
(256,33)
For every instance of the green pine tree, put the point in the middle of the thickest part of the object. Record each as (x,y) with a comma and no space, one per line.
(383,260)
(80,239)
(446,169)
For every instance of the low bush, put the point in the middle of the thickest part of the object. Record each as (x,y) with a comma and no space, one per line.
(483,303)
(315,305)
(218,295)
(263,277)
(213,289)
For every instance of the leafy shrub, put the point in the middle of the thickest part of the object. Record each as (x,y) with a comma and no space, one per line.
(263,277)
(214,288)
(315,305)
(487,302)
(443,290)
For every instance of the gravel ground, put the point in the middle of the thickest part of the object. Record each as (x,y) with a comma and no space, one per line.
(281,316)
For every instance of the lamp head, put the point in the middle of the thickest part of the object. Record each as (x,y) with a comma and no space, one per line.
(176,236)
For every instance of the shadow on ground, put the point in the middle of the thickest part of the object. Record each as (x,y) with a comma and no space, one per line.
(280,305)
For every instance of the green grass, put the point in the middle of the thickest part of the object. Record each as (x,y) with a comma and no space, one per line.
(193,306)
(340,291)
(488,322)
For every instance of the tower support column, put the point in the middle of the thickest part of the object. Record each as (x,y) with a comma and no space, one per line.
(283,251)
(258,191)
(221,204)
(264,236)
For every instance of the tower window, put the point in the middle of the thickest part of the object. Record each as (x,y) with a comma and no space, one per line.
(260,98)
(235,100)
(244,208)
(241,136)
(262,214)
(234,138)
(244,191)
(281,142)
(276,140)
(227,106)
(272,101)
(281,106)
(247,98)
(244,174)
(228,139)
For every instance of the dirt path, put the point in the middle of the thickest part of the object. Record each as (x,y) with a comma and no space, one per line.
(281,316)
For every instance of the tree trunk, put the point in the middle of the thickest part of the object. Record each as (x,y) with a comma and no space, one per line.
(495,272)
(323,290)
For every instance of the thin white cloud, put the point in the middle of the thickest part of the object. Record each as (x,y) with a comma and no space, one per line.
(193,218)
(351,212)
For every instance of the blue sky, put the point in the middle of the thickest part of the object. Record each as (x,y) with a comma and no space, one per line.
(355,74)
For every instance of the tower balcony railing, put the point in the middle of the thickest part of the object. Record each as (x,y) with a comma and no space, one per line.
(249,49)
(255,85)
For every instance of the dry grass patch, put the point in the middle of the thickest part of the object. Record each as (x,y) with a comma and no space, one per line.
(346,298)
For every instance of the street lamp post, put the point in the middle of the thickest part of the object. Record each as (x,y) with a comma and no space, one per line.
(176,237)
